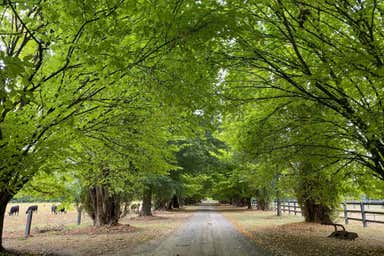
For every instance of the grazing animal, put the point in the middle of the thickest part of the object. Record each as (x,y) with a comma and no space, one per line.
(341,234)
(53,209)
(14,210)
(32,208)
(58,209)
(62,210)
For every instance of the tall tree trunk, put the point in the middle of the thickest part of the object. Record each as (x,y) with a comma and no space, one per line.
(316,212)
(147,202)
(103,207)
(79,211)
(169,205)
(262,204)
(236,201)
(161,204)
(263,199)
(181,201)
(125,211)
(278,206)
(278,203)
(175,202)
(4,200)
(310,182)
(249,202)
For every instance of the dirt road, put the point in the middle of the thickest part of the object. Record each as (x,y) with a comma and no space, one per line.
(207,233)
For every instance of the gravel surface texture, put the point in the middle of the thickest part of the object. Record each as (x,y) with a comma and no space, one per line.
(206,233)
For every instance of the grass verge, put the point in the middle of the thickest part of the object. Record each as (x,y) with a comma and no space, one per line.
(290,236)
(88,240)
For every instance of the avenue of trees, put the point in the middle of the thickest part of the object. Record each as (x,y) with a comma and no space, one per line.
(170,102)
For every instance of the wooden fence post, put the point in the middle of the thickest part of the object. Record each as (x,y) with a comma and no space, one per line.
(79,211)
(28,225)
(345,213)
(289,207)
(363,217)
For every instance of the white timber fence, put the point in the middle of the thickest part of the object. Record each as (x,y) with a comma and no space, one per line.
(365,211)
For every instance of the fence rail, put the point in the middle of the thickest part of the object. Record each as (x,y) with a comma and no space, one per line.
(290,206)
(358,213)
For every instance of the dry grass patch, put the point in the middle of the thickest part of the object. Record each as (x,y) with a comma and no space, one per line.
(289,235)
(64,237)
(14,226)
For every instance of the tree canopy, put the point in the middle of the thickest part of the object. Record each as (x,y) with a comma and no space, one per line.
(174,101)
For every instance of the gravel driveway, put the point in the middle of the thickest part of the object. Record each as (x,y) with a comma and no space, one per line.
(206,233)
